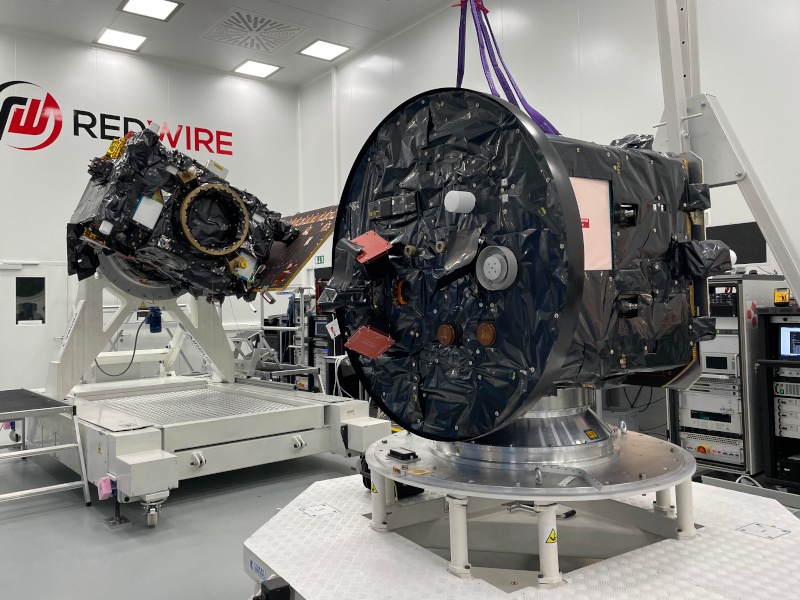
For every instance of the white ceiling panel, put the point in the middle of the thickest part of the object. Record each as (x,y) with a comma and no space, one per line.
(198,34)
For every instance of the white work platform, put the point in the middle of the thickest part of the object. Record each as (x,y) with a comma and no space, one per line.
(150,434)
(323,546)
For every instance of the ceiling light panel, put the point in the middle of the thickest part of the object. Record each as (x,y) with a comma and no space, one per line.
(256,69)
(324,50)
(120,39)
(155,9)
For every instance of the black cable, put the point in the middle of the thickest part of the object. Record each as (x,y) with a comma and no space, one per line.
(133,355)
(650,401)
(632,404)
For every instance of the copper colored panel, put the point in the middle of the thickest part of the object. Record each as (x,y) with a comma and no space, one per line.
(369,342)
(446,334)
(487,334)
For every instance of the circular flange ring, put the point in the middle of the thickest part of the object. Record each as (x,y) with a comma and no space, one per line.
(229,194)
(641,464)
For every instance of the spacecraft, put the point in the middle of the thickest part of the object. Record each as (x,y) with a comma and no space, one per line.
(480,265)
(159,224)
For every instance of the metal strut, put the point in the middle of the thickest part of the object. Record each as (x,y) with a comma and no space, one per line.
(695,126)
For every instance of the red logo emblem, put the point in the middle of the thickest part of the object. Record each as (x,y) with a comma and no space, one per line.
(34,120)
(584,223)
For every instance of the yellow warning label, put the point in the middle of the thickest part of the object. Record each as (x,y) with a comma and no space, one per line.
(374,489)
(99,449)
(552,538)
(590,433)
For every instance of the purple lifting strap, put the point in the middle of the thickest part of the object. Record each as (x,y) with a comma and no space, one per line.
(488,42)
(537,117)
(483,35)
(462,27)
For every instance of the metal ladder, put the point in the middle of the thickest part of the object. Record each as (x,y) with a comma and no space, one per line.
(17,405)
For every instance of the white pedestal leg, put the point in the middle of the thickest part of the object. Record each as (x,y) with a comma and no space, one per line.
(378,522)
(459,546)
(549,574)
(663,503)
(685,508)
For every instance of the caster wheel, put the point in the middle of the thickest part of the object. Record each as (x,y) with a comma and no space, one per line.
(152,518)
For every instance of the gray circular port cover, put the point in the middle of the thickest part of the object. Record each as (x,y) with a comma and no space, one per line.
(496,268)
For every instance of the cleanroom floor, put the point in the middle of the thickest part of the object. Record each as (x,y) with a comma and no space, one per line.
(55,547)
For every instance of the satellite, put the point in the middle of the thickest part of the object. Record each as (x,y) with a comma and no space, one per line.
(480,265)
(159,224)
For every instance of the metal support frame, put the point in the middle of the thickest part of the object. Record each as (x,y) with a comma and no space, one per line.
(459,540)
(668,519)
(39,411)
(695,126)
(118,520)
(549,573)
(379,514)
(87,334)
(663,503)
(685,508)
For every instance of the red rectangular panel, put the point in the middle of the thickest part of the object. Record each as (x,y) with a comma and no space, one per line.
(374,246)
(369,342)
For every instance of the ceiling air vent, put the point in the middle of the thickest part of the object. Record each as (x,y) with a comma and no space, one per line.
(254,32)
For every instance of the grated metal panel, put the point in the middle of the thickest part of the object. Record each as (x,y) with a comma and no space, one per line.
(169,408)
(337,555)
(253,31)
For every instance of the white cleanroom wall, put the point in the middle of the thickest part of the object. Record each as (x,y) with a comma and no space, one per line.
(579,62)
(749,60)
(316,144)
(592,68)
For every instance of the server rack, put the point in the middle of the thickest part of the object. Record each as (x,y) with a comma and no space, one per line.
(719,420)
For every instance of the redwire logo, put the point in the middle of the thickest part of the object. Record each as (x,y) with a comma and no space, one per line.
(34,122)
(33,119)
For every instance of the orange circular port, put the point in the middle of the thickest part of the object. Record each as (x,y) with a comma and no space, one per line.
(702,449)
(446,334)
(487,334)
(400,291)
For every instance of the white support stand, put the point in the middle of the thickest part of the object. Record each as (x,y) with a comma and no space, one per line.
(685,507)
(87,334)
(459,543)
(173,351)
(663,503)
(379,515)
(549,573)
